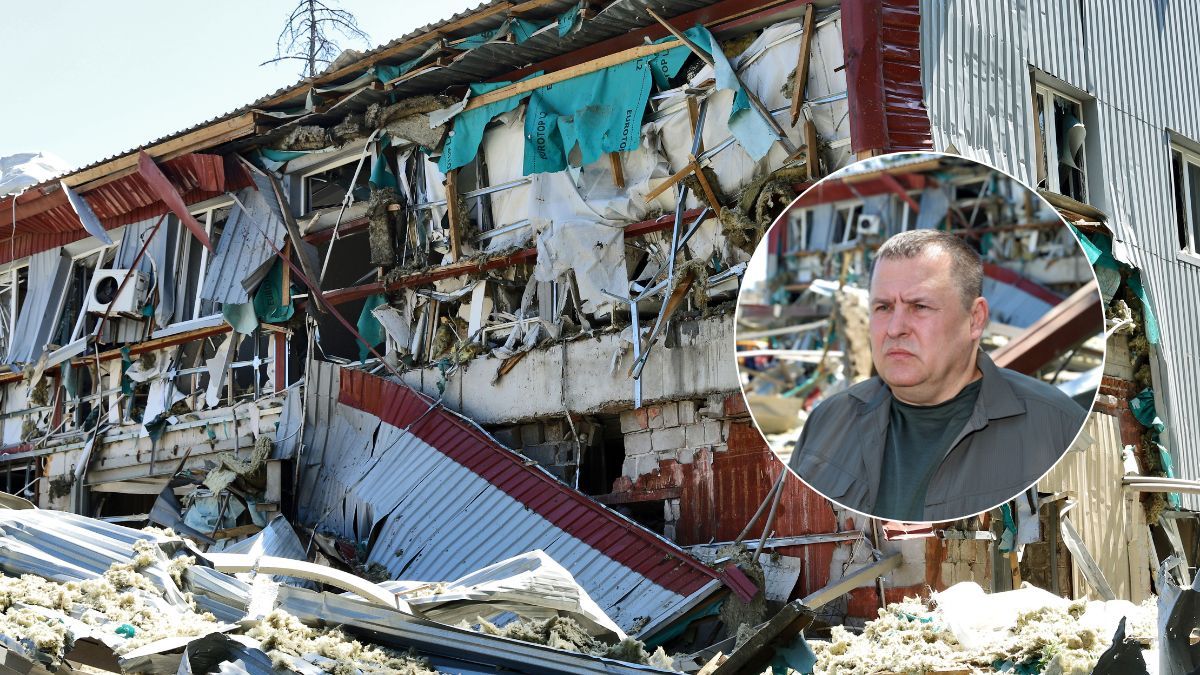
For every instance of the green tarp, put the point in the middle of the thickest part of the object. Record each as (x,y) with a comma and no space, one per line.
(369,327)
(268,299)
(463,141)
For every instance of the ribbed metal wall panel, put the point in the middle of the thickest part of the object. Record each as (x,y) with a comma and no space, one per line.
(976,81)
(1054,39)
(1143,68)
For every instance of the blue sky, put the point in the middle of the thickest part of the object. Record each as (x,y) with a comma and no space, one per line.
(85,80)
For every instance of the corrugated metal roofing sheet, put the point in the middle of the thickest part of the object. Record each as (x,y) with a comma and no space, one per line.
(438,498)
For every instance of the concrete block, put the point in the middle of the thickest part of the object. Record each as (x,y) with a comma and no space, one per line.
(645,464)
(671,510)
(668,439)
(714,432)
(670,415)
(545,454)
(629,467)
(687,412)
(633,420)
(638,444)
(669,531)
(685,455)
(531,434)
(693,434)
(554,431)
(654,417)
(720,447)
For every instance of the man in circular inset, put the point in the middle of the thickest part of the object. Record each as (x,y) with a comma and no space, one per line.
(940,432)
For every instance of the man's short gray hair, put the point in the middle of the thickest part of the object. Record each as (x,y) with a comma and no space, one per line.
(965,265)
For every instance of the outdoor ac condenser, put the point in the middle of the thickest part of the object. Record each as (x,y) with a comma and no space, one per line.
(103,296)
(869,224)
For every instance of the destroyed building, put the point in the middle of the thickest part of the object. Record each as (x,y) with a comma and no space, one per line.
(354,282)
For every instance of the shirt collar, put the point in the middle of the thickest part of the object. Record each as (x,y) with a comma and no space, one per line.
(995,393)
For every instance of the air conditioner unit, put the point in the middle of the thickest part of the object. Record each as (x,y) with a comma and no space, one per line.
(103,296)
(869,224)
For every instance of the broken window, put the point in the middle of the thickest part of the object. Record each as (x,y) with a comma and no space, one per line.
(327,187)
(1185,175)
(71,321)
(13,284)
(194,260)
(1059,135)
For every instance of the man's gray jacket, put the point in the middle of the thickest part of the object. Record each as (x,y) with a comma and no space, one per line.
(1018,429)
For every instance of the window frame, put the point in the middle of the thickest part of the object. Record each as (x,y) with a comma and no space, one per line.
(1049,151)
(329,165)
(206,208)
(1188,158)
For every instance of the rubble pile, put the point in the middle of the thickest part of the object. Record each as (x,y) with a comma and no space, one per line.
(1025,631)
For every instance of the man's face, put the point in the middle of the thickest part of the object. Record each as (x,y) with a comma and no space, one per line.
(923,339)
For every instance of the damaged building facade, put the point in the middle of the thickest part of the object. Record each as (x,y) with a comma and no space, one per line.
(501,254)
(496,258)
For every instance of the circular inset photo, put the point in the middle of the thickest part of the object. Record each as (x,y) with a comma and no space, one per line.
(920,337)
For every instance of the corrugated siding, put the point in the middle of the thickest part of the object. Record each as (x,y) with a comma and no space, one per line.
(740,479)
(1143,68)
(1054,45)
(245,248)
(437,498)
(977,90)
(1112,525)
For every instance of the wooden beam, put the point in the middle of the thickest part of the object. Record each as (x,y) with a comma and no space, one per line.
(800,81)
(704,185)
(810,140)
(614,159)
(454,214)
(524,86)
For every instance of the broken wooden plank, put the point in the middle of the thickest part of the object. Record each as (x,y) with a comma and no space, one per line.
(454,213)
(755,654)
(800,81)
(755,102)
(663,186)
(525,86)
(811,148)
(614,159)
(706,187)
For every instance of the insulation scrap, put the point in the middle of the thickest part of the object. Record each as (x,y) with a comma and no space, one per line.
(231,466)
(306,138)
(284,638)
(1063,638)
(121,602)
(565,633)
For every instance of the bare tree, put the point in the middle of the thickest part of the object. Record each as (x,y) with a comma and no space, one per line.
(307,35)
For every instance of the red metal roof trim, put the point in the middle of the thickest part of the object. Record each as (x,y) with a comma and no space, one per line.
(882,44)
(903,94)
(577,515)
(128,199)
